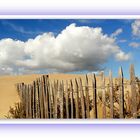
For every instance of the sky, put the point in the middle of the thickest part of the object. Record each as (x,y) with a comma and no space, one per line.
(69,45)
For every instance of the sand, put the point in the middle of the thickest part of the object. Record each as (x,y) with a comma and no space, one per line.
(8,92)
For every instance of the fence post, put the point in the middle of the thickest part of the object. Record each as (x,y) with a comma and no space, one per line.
(37,98)
(40,98)
(87,98)
(62,100)
(111,95)
(67,100)
(82,99)
(94,97)
(34,100)
(103,96)
(71,99)
(121,93)
(55,98)
(49,98)
(53,103)
(23,95)
(26,100)
(43,96)
(77,98)
(133,92)
(46,80)
(30,94)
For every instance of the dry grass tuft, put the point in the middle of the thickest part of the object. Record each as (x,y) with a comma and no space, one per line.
(16,112)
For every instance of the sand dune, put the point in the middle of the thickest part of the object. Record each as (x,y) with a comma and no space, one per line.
(9,95)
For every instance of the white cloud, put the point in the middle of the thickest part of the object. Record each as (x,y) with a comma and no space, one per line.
(74,49)
(122,41)
(136,28)
(20,29)
(121,56)
(134,44)
(117,32)
(11,50)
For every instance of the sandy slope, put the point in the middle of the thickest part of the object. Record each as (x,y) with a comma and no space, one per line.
(9,95)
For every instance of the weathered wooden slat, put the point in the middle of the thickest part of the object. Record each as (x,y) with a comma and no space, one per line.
(55,98)
(77,98)
(87,98)
(63,91)
(23,93)
(67,100)
(49,97)
(53,103)
(29,96)
(94,97)
(82,99)
(34,100)
(38,99)
(129,103)
(27,100)
(133,92)
(43,97)
(62,100)
(46,87)
(103,97)
(19,89)
(71,99)
(121,93)
(111,94)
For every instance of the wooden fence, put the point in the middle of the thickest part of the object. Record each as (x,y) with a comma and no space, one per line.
(45,98)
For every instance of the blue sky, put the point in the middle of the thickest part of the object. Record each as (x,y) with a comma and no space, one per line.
(57,25)
(124,36)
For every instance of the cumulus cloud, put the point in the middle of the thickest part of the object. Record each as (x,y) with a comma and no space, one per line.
(136,28)
(134,44)
(121,56)
(117,32)
(74,49)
